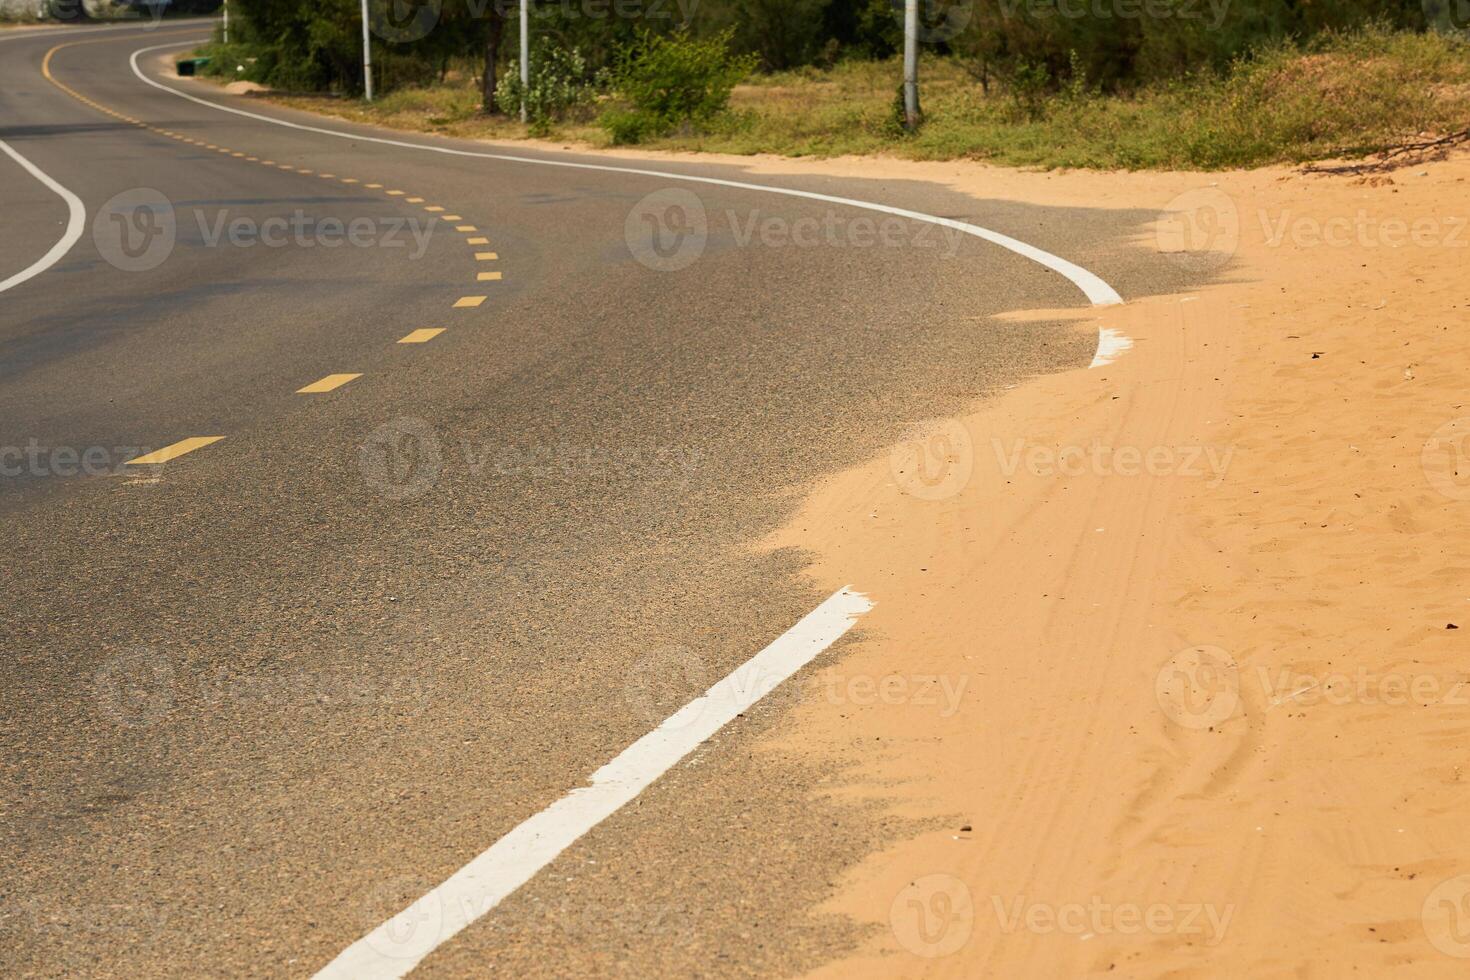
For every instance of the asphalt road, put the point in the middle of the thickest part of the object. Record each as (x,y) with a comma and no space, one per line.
(257,699)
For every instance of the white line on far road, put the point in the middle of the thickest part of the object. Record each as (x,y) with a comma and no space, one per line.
(1099,293)
(75,223)
(398,945)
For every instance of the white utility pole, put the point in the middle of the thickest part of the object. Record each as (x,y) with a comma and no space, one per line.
(367,54)
(525,54)
(911,64)
(227,21)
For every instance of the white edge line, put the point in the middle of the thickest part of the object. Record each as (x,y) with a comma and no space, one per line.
(395,947)
(76,221)
(1111,343)
(1099,293)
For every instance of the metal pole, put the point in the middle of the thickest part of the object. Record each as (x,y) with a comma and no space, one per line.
(227,21)
(911,63)
(367,54)
(525,53)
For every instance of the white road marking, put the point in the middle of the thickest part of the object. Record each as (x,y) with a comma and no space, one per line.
(76,222)
(398,945)
(1098,292)
(1111,344)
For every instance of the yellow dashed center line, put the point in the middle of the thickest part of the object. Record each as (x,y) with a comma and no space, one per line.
(415,200)
(477,241)
(174,451)
(433,209)
(468,302)
(422,335)
(451,217)
(466,228)
(395,193)
(330,383)
(488,277)
(349,180)
(486,256)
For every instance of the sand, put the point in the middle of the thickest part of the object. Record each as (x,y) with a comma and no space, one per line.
(1164,654)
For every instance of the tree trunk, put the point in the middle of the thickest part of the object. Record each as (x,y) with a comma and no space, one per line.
(493,33)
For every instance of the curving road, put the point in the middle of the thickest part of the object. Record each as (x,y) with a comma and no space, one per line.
(363,499)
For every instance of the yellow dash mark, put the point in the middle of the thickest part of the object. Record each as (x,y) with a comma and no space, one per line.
(237,154)
(395,193)
(468,301)
(304,171)
(488,277)
(422,335)
(329,383)
(349,180)
(477,241)
(433,209)
(268,163)
(486,256)
(176,450)
(284,166)
(452,217)
(372,187)
(326,176)
(253,159)
(415,200)
(466,228)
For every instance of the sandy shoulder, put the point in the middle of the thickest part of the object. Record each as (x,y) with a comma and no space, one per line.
(1163,651)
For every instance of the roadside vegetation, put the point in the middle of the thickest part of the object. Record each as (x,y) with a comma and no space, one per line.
(1002,83)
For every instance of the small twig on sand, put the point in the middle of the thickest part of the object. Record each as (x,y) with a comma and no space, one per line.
(1398,156)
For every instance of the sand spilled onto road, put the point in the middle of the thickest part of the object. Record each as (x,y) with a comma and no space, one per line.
(1165,653)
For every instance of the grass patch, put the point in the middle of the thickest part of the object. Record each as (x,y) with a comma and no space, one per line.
(1342,95)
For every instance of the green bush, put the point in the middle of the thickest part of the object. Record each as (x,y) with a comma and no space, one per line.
(674,81)
(560,84)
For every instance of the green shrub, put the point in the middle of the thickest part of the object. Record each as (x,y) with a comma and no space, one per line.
(560,84)
(674,81)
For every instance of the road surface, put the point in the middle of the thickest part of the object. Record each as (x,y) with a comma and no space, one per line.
(390,600)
